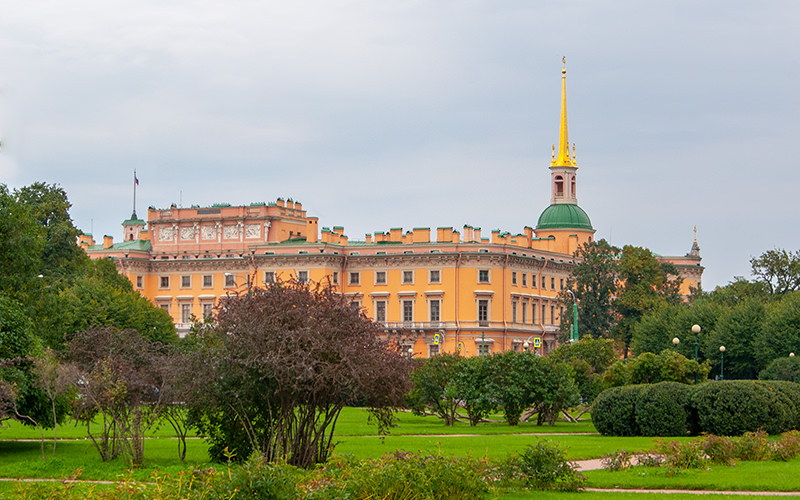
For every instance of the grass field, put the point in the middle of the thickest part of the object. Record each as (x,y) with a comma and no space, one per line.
(356,437)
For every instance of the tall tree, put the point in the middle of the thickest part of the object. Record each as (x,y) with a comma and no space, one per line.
(49,206)
(646,285)
(778,269)
(21,243)
(594,283)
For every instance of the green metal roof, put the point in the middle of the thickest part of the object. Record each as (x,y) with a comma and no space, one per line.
(124,245)
(562,216)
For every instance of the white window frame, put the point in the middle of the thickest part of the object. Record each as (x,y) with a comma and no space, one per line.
(378,275)
(377,303)
(161,283)
(488,278)
(438,276)
(184,283)
(354,278)
(408,273)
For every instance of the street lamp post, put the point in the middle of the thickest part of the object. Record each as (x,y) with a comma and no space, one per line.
(722,362)
(675,342)
(696,331)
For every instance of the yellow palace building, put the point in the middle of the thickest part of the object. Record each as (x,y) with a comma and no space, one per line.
(435,290)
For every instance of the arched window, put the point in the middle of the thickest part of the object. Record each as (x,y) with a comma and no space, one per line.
(572,178)
(559,186)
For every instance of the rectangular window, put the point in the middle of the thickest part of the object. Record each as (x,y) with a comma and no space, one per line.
(483,312)
(524,311)
(560,283)
(139,282)
(544,314)
(435,310)
(533,312)
(208,281)
(335,278)
(408,310)
(269,277)
(513,277)
(380,311)
(552,283)
(357,303)
(164,306)
(186,313)
(408,277)
(544,281)
(186,282)
(230,280)
(208,310)
(524,279)
(302,276)
(484,349)
(433,350)
(514,305)
(435,276)
(483,276)
(355,278)
(380,277)
(552,315)
(163,282)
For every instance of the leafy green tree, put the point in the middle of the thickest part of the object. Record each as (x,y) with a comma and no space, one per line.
(736,329)
(103,298)
(779,334)
(21,243)
(594,282)
(61,257)
(650,368)
(24,400)
(647,285)
(778,270)
(557,392)
(470,381)
(786,368)
(589,359)
(435,389)
(516,382)
(656,330)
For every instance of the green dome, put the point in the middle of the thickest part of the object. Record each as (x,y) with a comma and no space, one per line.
(563,216)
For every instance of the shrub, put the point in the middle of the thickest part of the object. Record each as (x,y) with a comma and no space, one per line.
(782,369)
(663,410)
(787,447)
(753,447)
(733,407)
(544,466)
(792,391)
(682,455)
(614,411)
(617,461)
(719,449)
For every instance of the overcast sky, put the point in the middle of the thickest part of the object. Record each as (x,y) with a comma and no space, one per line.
(380,114)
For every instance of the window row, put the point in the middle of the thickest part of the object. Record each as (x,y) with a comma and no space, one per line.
(545,280)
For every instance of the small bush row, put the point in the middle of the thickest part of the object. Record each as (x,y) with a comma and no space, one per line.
(696,454)
(727,408)
(398,475)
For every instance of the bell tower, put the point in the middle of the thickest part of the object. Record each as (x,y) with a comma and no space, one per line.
(563,166)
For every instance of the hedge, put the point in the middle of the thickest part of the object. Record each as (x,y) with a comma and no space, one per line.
(729,408)
(663,410)
(614,411)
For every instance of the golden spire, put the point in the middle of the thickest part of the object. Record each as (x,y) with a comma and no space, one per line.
(563,159)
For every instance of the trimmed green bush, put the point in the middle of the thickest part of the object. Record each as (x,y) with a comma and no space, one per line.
(614,411)
(792,392)
(663,410)
(733,407)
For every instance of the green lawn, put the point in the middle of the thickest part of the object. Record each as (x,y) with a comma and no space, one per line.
(356,437)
